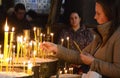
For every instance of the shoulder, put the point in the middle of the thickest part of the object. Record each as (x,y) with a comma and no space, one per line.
(117,33)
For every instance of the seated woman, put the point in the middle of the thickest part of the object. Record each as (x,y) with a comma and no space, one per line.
(103,53)
(76,32)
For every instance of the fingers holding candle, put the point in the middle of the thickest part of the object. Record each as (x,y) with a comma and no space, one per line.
(86,58)
(50,47)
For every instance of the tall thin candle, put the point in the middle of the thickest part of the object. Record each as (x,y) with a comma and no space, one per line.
(6,41)
(11,41)
(68,45)
(52,34)
(62,40)
(18,48)
(35,33)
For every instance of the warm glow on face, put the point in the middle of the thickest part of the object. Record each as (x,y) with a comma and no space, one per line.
(6,26)
(100,16)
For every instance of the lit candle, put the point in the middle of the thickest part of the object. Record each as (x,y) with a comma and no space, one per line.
(11,41)
(18,47)
(71,70)
(38,30)
(52,34)
(10,59)
(60,72)
(62,40)
(31,45)
(13,56)
(48,30)
(34,54)
(12,35)
(0,49)
(35,33)
(44,37)
(21,41)
(6,64)
(29,69)
(6,41)
(35,46)
(65,71)
(41,37)
(1,57)
(68,42)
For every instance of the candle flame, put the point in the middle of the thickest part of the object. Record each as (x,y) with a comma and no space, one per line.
(0,46)
(41,34)
(13,29)
(34,53)
(6,26)
(51,34)
(62,40)
(67,38)
(14,46)
(34,28)
(60,72)
(30,65)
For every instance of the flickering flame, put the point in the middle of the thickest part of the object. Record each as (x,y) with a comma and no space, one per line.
(13,29)
(67,38)
(0,46)
(30,65)
(34,53)
(62,40)
(34,28)
(6,26)
(51,34)
(60,72)
(41,34)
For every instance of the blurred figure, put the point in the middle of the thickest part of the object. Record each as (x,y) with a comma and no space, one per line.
(17,18)
(31,17)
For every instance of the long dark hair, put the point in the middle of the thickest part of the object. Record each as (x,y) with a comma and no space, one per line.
(111,10)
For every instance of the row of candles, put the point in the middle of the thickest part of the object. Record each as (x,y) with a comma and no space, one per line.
(24,46)
(11,66)
(66,71)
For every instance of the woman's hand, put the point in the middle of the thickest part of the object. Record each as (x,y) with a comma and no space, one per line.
(50,47)
(86,58)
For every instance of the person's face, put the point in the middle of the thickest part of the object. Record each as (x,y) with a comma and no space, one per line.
(100,16)
(74,19)
(20,14)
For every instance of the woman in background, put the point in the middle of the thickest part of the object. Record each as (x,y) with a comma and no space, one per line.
(80,34)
